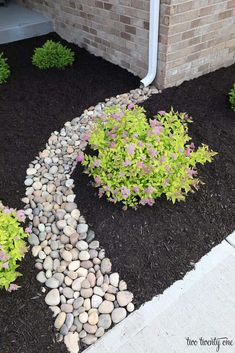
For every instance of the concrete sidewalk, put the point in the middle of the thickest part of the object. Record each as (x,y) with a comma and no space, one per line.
(18,22)
(196,314)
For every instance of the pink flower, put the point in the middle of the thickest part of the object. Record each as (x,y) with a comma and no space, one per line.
(8,210)
(13,287)
(97,180)
(96,163)
(191,172)
(131,106)
(3,256)
(5,265)
(192,146)
(149,190)
(28,230)
(112,145)
(154,122)
(122,174)
(101,192)
(20,215)
(157,130)
(131,149)
(127,162)
(117,116)
(135,189)
(141,144)
(125,134)
(80,157)
(187,151)
(140,165)
(147,201)
(152,152)
(162,112)
(85,136)
(125,192)
(103,116)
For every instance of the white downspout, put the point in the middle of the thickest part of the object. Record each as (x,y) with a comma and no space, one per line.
(153,42)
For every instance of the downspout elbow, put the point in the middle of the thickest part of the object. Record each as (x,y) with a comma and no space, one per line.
(153,43)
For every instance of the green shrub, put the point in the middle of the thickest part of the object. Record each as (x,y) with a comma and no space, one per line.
(12,246)
(232,98)
(4,69)
(52,54)
(138,161)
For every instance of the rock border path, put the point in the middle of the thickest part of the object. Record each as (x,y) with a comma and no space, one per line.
(85,296)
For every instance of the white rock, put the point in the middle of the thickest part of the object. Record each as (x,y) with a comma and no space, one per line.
(77,283)
(93,318)
(114,279)
(68,230)
(37,185)
(82,245)
(96,300)
(75,214)
(82,228)
(35,250)
(52,283)
(130,307)
(106,265)
(84,255)
(118,315)
(74,265)
(66,255)
(71,341)
(124,298)
(41,277)
(31,171)
(55,310)
(53,297)
(83,317)
(106,307)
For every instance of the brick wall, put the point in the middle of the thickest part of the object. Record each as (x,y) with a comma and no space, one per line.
(196,36)
(117,30)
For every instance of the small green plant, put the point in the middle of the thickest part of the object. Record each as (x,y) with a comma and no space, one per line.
(232,98)
(52,54)
(4,69)
(138,161)
(12,246)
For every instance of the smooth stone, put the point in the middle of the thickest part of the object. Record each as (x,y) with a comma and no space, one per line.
(55,310)
(94,245)
(60,320)
(68,230)
(33,239)
(67,308)
(68,292)
(89,339)
(64,330)
(75,214)
(82,245)
(92,279)
(69,320)
(83,317)
(90,235)
(52,283)
(82,272)
(37,185)
(31,171)
(86,293)
(66,255)
(99,291)
(59,277)
(122,285)
(74,265)
(84,255)
(77,283)
(61,224)
(130,307)
(78,302)
(48,263)
(96,300)
(106,265)
(82,228)
(118,315)
(90,328)
(106,307)
(78,324)
(53,297)
(86,284)
(41,277)
(70,206)
(36,250)
(114,279)
(71,341)
(105,321)
(124,298)
(99,332)
(93,318)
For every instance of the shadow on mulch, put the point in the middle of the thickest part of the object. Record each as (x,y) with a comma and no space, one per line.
(153,247)
(34,103)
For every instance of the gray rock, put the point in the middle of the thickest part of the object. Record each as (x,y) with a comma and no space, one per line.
(67,308)
(52,283)
(48,263)
(53,297)
(90,235)
(105,321)
(106,266)
(89,339)
(33,239)
(64,330)
(68,292)
(78,302)
(69,320)
(41,277)
(106,307)
(82,228)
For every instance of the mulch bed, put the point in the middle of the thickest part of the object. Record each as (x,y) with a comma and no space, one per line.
(153,247)
(34,103)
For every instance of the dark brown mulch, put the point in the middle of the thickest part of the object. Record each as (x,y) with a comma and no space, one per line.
(154,246)
(33,104)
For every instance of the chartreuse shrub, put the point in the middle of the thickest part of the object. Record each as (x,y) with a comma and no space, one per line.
(52,54)
(4,69)
(12,246)
(232,98)
(138,161)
